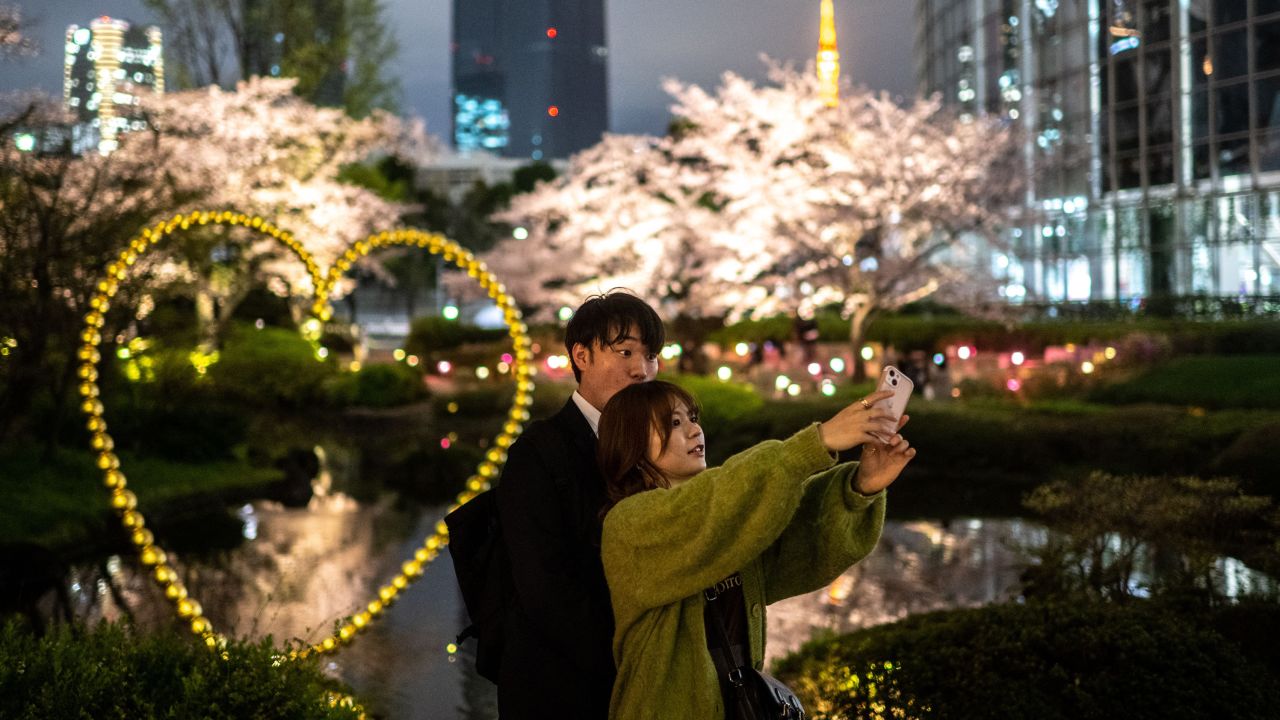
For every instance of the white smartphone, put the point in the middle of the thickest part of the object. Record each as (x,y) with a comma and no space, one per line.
(891,378)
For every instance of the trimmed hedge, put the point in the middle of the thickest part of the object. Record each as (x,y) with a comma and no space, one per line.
(981,440)
(1042,661)
(918,332)
(111,672)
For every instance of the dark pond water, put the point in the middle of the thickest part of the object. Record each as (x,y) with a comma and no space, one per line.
(299,569)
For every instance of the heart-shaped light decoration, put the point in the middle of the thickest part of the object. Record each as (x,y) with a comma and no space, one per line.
(125,503)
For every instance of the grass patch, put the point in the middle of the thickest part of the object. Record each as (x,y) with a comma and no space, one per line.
(1210,381)
(61,502)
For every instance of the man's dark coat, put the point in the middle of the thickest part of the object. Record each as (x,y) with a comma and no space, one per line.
(557,660)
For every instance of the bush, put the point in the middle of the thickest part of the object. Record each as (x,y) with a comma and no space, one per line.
(376,386)
(1036,660)
(272,367)
(432,334)
(111,672)
(721,401)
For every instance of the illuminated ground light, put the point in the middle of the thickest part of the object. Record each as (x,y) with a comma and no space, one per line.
(1086,367)
(450,312)
(828,388)
(781,382)
(724,373)
(1013,384)
(1017,358)
(815,369)
(964,352)
(443,367)
(867,352)
(1109,353)
(793,390)
(837,365)
(742,349)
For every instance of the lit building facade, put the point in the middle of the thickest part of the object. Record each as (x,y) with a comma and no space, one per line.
(109,67)
(1152,139)
(530,77)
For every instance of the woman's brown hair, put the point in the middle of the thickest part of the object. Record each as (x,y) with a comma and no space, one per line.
(623,449)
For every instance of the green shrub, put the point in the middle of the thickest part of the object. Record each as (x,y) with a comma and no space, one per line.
(173,413)
(720,401)
(271,367)
(1036,660)
(1208,381)
(111,672)
(432,334)
(376,386)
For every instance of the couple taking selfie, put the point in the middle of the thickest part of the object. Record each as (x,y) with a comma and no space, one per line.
(635,578)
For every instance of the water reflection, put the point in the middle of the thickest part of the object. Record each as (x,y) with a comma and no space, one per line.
(301,568)
(918,566)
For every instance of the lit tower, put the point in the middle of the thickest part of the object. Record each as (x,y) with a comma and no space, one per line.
(109,66)
(828,57)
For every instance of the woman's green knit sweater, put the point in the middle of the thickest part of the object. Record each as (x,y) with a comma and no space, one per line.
(764,513)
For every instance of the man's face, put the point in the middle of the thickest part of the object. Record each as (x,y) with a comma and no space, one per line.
(606,369)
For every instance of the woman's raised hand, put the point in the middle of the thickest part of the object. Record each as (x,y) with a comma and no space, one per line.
(856,424)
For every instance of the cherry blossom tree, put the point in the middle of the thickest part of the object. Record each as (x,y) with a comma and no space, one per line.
(14,39)
(62,218)
(763,199)
(261,149)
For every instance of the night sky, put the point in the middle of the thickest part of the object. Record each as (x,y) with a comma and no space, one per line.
(693,40)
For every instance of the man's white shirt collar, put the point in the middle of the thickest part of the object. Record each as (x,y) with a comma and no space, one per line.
(588,411)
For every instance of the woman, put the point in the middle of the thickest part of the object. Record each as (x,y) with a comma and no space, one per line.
(774,521)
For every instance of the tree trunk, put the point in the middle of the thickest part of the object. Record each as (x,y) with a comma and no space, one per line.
(858,324)
(206,319)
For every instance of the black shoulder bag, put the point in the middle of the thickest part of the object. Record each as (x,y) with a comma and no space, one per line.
(749,694)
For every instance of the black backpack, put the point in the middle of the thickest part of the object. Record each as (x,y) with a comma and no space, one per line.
(481,564)
(484,576)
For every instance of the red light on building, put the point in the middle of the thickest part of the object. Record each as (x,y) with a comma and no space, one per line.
(553,111)
(552,32)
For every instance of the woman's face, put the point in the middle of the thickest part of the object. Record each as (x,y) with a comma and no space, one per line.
(686,451)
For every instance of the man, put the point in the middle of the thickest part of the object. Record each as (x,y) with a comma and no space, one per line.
(557,660)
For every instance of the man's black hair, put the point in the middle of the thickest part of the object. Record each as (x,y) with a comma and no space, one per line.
(606,318)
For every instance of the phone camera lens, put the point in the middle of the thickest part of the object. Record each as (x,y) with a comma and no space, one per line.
(893,381)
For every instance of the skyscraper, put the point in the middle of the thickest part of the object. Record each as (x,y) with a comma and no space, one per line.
(1152,138)
(110,65)
(529,76)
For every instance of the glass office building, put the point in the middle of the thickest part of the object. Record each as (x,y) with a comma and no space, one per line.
(1151,138)
(108,67)
(529,76)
